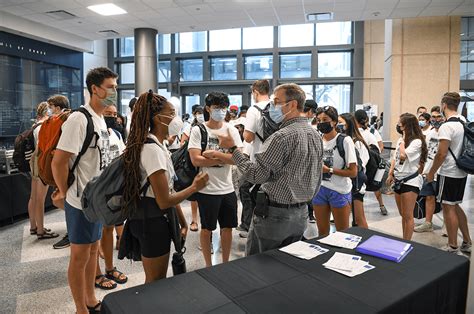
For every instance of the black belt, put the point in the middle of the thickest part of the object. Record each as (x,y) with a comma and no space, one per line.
(275,204)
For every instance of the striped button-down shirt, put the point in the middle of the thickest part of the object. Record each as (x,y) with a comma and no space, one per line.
(289,166)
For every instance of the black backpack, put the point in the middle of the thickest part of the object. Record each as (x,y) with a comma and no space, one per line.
(361,178)
(465,160)
(376,163)
(184,168)
(266,124)
(24,148)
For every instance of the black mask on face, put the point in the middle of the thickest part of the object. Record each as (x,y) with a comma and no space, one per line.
(399,130)
(111,122)
(119,128)
(325,127)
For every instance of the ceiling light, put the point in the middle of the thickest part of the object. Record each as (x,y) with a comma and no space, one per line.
(107,9)
(319,17)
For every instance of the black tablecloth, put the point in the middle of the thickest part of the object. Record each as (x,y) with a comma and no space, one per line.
(428,280)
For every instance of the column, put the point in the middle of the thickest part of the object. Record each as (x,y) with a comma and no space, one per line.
(146,59)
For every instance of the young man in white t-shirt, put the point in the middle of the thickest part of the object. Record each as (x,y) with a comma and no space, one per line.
(451,179)
(83,235)
(217,201)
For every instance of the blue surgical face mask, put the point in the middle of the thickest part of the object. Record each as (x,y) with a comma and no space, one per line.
(276,114)
(422,124)
(218,114)
(436,124)
(49,112)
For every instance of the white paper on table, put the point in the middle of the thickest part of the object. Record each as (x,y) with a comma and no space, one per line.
(303,250)
(342,239)
(343,261)
(361,268)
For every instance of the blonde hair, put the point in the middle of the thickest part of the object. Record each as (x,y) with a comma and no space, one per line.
(42,109)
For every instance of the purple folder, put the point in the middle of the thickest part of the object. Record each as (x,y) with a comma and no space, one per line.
(385,248)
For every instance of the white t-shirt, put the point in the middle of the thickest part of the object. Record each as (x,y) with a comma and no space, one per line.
(95,158)
(410,165)
(187,130)
(252,125)
(364,158)
(176,144)
(454,132)
(425,132)
(377,135)
(220,177)
(368,137)
(432,141)
(342,185)
(154,158)
(116,145)
(36,134)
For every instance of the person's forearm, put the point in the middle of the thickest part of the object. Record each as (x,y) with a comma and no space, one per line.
(350,173)
(60,174)
(175,198)
(225,158)
(392,168)
(181,218)
(201,161)
(437,162)
(251,172)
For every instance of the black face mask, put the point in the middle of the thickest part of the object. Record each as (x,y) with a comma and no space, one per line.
(110,122)
(399,130)
(119,128)
(340,128)
(325,127)
(436,124)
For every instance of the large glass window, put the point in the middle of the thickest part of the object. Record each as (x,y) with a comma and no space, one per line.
(296,35)
(191,42)
(235,100)
(127,73)
(127,47)
(258,37)
(295,65)
(335,33)
(223,68)
(190,70)
(163,42)
(164,71)
(225,39)
(467,70)
(125,96)
(164,92)
(258,67)
(338,96)
(467,48)
(191,100)
(334,64)
(308,89)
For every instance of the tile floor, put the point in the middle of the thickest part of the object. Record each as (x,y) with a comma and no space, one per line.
(33,275)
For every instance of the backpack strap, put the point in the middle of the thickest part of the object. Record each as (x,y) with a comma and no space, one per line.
(117,133)
(261,114)
(204,135)
(89,136)
(454,119)
(340,148)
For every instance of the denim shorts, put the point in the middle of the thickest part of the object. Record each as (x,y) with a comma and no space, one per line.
(332,198)
(79,229)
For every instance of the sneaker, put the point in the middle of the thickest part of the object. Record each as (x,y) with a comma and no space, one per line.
(424,227)
(466,247)
(63,243)
(244,234)
(240,228)
(312,220)
(383,210)
(449,249)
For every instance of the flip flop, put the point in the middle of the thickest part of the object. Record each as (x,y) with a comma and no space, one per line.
(101,285)
(94,309)
(195,228)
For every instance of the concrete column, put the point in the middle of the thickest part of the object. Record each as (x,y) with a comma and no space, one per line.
(422,57)
(146,59)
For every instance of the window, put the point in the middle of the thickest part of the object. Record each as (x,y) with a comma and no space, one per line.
(258,37)
(295,66)
(296,35)
(191,100)
(308,89)
(163,44)
(164,71)
(223,68)
(127,73)
(190,70)
(226,39)
(334,64)
(258,67)
(164,92)
(235,100)
(125,96)
(127,47)
(338,96)
(191,42)
(336,33)
(467,70)
(467,48)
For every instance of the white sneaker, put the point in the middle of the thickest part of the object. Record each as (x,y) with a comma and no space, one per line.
(424,227)
(466,247)
(449,249)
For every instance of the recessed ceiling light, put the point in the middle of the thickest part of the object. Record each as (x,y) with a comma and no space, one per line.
(107,9)
(319,17)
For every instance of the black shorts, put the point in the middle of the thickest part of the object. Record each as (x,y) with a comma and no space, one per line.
(153,234)
(450,191)
(407,188)
(358,196)
(213,208)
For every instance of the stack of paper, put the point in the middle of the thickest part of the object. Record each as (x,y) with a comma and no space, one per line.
(346,264)
(341,239)
(385,248)
(304,250)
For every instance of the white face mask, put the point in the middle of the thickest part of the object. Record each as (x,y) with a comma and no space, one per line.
(175,125)
(200,118)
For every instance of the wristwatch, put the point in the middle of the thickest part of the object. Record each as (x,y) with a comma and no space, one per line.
(232,149)
(331,170)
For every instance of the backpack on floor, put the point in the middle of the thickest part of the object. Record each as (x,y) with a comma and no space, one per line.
(24,148)
(361,178)
(48,139)
(266,125)
(374,169)
(183,167)
(465,160)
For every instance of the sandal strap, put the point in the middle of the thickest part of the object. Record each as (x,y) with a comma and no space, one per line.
(112,271)
(103,279)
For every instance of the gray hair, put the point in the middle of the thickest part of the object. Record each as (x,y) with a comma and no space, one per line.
(293,92)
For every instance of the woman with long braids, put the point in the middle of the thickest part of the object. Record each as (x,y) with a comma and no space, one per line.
(149,180)
(406,168)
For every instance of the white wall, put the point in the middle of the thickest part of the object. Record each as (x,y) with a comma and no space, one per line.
(98,58)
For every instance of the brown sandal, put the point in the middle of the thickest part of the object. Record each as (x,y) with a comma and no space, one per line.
(94,309)
(35,230)
(193,226)
(103,280)
(46,235)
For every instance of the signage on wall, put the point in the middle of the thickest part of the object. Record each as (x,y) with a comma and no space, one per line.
(8,45)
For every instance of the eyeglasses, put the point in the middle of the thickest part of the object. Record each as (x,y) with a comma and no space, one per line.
(274,104)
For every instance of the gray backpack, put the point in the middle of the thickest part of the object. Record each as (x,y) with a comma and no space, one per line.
(102,197)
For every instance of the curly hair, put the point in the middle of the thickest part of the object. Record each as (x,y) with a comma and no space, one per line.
(146,108)
(412,132)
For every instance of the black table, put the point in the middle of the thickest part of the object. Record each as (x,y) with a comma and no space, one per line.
(428,280)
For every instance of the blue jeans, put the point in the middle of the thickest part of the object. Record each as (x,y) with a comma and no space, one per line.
(281,227)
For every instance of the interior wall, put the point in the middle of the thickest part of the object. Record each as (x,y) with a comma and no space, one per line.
(374,42)
(98,58)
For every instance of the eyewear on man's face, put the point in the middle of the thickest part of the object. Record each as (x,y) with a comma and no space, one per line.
(281,104)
